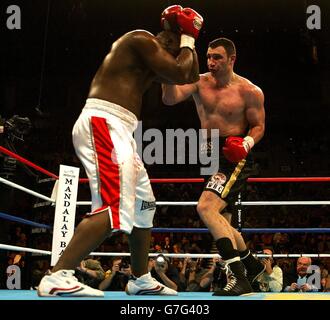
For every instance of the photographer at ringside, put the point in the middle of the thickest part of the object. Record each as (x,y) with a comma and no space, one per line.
(164,272)
(12,130)
(119,276)
(272,279)
(90,272)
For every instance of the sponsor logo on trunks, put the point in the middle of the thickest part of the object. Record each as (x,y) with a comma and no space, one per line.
(146,205)
(220,178)
(217,182)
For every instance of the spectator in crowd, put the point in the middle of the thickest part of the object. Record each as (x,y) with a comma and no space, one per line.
(272,279)
(181,265)
(216,276)
(164,272)
(196,272)
(90,272)
(300,282)
(327,284)
(177,248)
(324,279)
(167,244)
(39,268)
(118,277)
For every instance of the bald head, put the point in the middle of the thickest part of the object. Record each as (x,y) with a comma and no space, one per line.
(302,265)
(304,261)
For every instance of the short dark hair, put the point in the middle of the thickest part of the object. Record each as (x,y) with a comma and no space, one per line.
(226,43)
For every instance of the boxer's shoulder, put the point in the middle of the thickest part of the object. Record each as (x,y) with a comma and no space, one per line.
(247,87)
(138,34)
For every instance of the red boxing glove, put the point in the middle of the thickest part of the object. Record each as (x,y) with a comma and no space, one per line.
(190,22)
(168,18)
(237,148)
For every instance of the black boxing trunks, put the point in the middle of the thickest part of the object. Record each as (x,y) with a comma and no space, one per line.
(230,179)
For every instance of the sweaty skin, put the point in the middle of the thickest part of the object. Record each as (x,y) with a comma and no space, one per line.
(224,100)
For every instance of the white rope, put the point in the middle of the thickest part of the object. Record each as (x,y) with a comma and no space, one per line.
(283,203)
(158,203)
(17,186)
(176,203)
(16,248)
(170,255)
(243,203)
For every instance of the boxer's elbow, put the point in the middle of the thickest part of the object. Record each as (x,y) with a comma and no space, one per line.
(168,101)
(184,78)
(184,75)
(193,78)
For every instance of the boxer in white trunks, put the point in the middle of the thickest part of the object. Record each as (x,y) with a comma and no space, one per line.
(122,198)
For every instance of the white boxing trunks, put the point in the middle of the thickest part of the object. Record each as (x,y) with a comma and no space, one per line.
(104,143)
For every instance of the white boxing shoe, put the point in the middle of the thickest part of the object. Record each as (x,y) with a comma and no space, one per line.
(147,285)
(63,283)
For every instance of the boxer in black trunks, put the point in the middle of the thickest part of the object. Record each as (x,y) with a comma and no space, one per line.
(232,104)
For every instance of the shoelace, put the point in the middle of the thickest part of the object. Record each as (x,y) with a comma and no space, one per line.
(226,269)
(231,284)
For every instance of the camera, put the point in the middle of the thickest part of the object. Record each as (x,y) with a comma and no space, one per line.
(124,264)
(15,127)
(161,260)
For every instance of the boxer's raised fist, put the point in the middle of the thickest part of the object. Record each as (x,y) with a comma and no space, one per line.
(190,22)
(168,18)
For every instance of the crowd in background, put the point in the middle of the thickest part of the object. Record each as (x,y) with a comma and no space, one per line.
(191,274)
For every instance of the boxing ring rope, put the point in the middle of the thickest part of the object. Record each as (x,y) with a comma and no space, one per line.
(184,230)
(171,255)
(27,162)
(243,203)
(169,180)
(282,179)
(33,193)
(175,203)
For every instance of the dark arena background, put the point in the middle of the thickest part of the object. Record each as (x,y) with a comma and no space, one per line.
(46,67)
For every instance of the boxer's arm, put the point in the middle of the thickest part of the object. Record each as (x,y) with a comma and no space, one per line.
(255,113)
(173,94)
(194,74)
(163,64)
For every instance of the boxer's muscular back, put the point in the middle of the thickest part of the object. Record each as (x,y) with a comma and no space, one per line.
(123,77)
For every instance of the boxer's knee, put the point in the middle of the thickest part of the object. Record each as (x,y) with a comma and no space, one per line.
(210,204)
(227,216)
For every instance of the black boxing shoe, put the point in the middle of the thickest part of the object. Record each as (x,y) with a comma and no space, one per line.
(255,270)
(234,287)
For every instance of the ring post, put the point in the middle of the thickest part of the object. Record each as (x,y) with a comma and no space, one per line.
(65,210)
(239,213)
